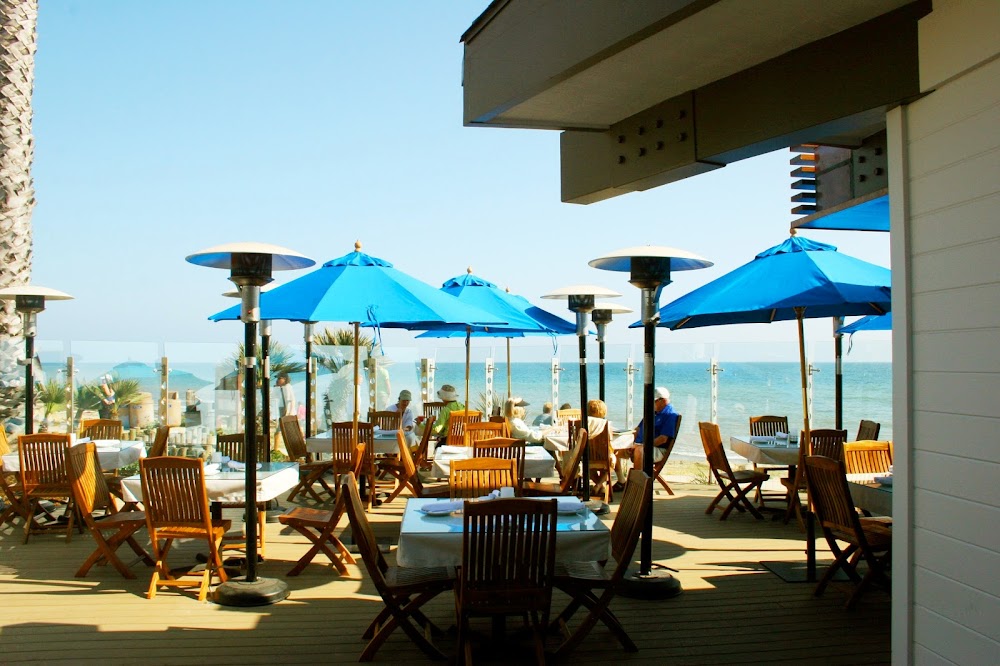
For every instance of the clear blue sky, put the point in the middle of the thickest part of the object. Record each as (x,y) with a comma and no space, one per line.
(165,128)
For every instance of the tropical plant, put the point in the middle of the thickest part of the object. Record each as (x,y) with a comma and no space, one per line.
(341,388)
(279,358)
(94,397)
(51,394)
(17,69)
(340,337)
(490,403)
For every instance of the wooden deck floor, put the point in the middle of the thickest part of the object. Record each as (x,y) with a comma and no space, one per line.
(732,610)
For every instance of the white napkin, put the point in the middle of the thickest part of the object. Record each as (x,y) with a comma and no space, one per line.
(83,440)
(763,439)
(235,464)
(443,506)
(568,504)
(212,468)
(107,443)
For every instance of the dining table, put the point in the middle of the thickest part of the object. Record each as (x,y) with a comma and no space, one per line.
(435,539)
(112,454)
(871,492)
(766,450)
(538,463)
(384,442)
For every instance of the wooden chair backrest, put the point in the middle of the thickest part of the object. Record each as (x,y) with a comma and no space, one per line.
(767,426)
(571,462)
(363,536)
(295,442)
(571,413)
(43,461)
(711,441)
(508,555)
(600,447)
(409,464)
(4,444)
(101,428)
(476,477)
(159,446)
(385,420)
(868,457)
(232,445)
(423,448)
(830,495)
(868,430)
(502,447)
(343,441)
(627,528)
(572,425)
(174,495)
(456,424)
(89,488)
(484,430)
(431,410)
(828,443)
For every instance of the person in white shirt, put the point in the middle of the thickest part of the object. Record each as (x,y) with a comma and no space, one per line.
(402,407)
(513,410)
(286,396)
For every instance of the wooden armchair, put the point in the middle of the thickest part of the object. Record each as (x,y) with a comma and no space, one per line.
(668,448)
(869,541)
(582,580)
(44,477)
(92,495)
(508,562)
(602,463)
(570,471)
(768,426)
(734,486)
(310,473)
(159,445)
(502,447)
(173,492)
(101,429)
(318,525)
(385,420)
(403,589)
(483,430)
(867,457)
(822,442)
(868,430)
(456,425)
(476,477)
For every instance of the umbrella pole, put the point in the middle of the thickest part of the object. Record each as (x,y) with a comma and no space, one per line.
(804,446)
(265,379)
(600,375)
(468,363)
(508,369)
(29,382)
(838,378)
(309,366)
(581,328)
(357,383)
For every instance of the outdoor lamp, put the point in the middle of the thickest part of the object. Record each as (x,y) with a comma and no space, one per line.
(581,299)
(250,266)
(29,300)
(649,269)
(601,316)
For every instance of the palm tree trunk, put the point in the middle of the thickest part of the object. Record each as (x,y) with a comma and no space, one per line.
(17,195)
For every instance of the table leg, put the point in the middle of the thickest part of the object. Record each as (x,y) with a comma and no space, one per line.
(810,547)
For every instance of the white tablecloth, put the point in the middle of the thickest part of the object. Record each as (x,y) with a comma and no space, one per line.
(869,494)
(426,541)
(385,442)
(765,453)
(538,464)
(111,452)
(230,486)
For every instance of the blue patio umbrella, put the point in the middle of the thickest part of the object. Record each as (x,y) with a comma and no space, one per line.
(869,323)
(797,279)
(148,377)
(522,317)
(365,291)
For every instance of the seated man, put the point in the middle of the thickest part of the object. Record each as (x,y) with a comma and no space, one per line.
(402,407)
(664,428)
(545,418)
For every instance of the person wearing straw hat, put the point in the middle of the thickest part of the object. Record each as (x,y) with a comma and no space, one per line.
(402,407)
(449,396)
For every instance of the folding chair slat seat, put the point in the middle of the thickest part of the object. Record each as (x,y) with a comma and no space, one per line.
(403,590)
(457,421)
(822,442)
(92,495)
(569,474)
(734,486)
(508,564)
(668,448)
(870,541)
(310,473)
(476,477)
(318,525)
(407,475)
(44,477)
(580,580)
(233,445)
(173,492)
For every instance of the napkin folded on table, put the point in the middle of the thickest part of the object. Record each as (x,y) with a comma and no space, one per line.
(569,504)
(235,464)
(212,468)
(761,438)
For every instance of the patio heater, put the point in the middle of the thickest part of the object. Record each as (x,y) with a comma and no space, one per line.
(649,269)
(601,316)
(250,266)
(29,300)
(265,358)
(308,335)
(581,299)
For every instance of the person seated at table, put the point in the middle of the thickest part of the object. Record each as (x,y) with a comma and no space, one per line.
(664,427)
(402,407)
(449,396)
(513,411)
(545,418)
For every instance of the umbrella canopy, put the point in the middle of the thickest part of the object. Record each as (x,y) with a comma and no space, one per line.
(148,377)
(366,291)
(521,316)
(869,323)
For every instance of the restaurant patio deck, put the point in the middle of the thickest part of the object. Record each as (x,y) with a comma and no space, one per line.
(733,610)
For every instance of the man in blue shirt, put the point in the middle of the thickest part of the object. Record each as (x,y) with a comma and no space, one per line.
(664,427)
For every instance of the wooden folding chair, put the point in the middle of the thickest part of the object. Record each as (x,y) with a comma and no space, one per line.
(476,477)
(867,457)
(456,425)
(233,445)
(343,452)
(421,455)
(483,430)
(569,472)
(868,430)
(580,580)
(668,448)
(870,541)
(318,525)
(502,447)
(403,589)
(44,477)
(159,445)
(173,492)
(91,495)
(408,478)
(563,415)
(101,429)
(310,473)
(156,449)
(11,490)
(822,442)
(385,420)
(508,562)
(431,411)
(502,420)
(602,463)
(734,486)
(768,426)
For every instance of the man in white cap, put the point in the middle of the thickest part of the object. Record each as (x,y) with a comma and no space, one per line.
(449,396)
(402,407)
(664,427)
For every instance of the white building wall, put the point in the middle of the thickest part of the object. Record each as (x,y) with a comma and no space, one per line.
(947,600)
